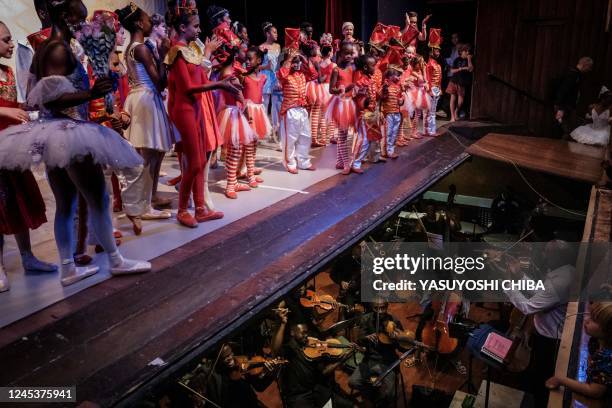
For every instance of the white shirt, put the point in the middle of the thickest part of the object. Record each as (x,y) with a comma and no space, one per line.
(547,306)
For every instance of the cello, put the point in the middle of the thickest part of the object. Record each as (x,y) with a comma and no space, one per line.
(436,333)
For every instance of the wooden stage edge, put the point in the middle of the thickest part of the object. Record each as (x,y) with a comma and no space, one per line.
(104,338)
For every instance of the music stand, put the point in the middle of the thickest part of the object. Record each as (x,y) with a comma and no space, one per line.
(393,367)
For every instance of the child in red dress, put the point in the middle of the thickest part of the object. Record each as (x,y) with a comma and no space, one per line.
(327,129)
(235,131)
(21,204)
(192,110)
(341,109)
(253,86)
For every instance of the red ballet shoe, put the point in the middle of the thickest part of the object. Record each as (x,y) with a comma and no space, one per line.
(253,183)
(346,171)
(242,187)
(117,234)
(231,194)
(258,179)
(174,181)
(186,219)
(203,214)
(292,171)
(356,170)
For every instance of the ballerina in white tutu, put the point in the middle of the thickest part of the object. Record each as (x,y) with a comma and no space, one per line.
(597,132)
(73,150)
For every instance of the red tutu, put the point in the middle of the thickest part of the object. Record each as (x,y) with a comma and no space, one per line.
(342,112)
(260,123)
(234,127)
(324,95)
(416,99)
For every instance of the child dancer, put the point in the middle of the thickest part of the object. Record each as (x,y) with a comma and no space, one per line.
(295,124)
(253,86)
(235,131)
(272,90)
(598,383)
(327,129)
(391,101)
(366,107)
(405,132)
(150,130)
(313,93)
(72,149)
(417,97)
(433,72)
(22,207)
(341,108)
(193,112)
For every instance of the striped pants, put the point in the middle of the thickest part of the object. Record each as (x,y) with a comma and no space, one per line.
(316,115)
(328,130)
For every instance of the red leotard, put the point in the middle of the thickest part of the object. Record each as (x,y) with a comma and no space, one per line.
(253,88)
(326,72)
(195,118)
(345,76)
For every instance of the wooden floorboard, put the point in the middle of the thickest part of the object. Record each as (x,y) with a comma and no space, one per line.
(566,159)
(199,292)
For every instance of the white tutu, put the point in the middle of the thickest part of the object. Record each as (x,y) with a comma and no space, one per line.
(597,133)
(150,126)
(59,141)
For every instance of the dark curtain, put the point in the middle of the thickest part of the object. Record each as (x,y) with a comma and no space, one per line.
(339,11)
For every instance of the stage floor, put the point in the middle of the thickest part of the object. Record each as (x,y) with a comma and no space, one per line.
(32,292)
(126,334)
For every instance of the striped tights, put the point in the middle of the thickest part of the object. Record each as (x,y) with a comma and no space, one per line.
(232,157)
(315,122)
(342,156)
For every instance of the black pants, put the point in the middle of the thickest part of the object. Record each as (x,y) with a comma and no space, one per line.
(541,367)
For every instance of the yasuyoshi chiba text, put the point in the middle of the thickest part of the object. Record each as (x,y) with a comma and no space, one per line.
(459,284)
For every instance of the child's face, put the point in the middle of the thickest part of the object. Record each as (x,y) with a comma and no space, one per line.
(592,328)
(296,63)
(115,63)
(347,53)
(6,42)
(370,66)
(464,53)
(253,60)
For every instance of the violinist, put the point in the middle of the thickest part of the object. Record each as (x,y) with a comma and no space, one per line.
(225,385)
(304,383)
(380,355)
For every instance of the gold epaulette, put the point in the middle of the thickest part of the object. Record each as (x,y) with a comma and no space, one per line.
(191,53)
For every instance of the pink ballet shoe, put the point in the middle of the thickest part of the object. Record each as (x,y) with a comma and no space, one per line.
(253,183)
(231,194)
(292,170)
(346,171)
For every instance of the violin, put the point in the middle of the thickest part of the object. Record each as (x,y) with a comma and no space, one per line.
(333,348)
(253,366)
(436,333)
(391,334)
(326,303)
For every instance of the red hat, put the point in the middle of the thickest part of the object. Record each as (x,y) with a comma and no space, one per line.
(379,34)
(292,38)
(39,37)
(435,37)
(225,34)
(410,35)
(393,57)
(393,32)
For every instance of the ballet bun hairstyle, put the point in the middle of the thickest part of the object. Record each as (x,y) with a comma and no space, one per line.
(326,50)
(129,16)
(266,27)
